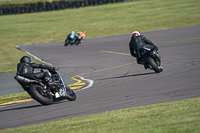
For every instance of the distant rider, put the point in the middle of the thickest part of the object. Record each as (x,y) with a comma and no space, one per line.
(72,36)
(26,68)
(138,41)
(82,34)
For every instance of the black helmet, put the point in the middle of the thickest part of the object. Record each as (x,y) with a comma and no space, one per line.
(25,59)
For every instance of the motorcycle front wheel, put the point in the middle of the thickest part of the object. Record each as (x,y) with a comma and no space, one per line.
(36,93)
(154,66)
(71,96)
(66,42)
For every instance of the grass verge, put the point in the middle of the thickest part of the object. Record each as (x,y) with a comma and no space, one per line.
(119,18)
(110,19)
(173,117)
(16,96)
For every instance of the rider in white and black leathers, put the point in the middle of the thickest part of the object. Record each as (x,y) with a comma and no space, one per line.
(26,68)
(137,41)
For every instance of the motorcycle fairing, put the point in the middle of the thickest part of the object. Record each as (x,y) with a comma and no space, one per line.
(62,90)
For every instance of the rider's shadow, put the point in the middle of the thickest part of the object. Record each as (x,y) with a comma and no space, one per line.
(124,76)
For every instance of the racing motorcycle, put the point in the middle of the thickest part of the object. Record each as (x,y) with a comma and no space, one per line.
(68,41)
(78,39)
(42,92)
(151,58)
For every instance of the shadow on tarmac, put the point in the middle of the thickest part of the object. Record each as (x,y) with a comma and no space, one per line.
(124,76)
(32,106)
(19,108)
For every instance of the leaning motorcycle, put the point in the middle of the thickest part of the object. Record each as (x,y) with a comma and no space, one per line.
(151,58)
(78,39)
(68,41)
(42,92)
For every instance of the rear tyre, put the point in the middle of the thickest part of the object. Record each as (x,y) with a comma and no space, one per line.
(77,43)
(71,42)
(153,64)
(44,98)
(71,96)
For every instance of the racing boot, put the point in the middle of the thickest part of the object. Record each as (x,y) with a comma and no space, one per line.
(143,63)
(52,85)
(146,65)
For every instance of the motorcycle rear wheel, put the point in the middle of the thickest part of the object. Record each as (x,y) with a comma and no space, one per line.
(77,43)
(44,98)
(153,64)
(71,96)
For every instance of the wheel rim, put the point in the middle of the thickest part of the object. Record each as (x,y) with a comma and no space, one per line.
(45,95)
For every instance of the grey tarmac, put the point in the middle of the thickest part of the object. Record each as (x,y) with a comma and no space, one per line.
(119,82)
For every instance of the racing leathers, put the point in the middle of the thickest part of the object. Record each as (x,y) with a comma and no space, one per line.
(27,70)
(71,37)
(138,41)
(80,36)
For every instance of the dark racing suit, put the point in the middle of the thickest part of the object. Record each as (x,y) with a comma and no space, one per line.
(27,70)
(136,43)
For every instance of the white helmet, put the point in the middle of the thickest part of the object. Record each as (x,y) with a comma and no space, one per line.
(73,32)
(135,33)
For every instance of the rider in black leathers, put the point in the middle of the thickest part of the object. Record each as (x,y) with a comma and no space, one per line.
(26,68)
(137,41)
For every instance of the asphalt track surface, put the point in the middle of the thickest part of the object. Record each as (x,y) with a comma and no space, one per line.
(119,82)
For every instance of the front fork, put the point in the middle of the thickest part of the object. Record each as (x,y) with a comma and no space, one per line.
(156,58)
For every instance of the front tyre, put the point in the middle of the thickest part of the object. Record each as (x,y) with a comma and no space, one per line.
(154,66)
(71,96)
(44,98)
(66,42)
(77,43)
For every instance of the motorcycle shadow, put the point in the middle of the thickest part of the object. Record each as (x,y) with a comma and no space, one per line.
(60,100)
(21,108)
(134,75)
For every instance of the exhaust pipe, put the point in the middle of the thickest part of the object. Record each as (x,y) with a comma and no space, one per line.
(26,81)
(22,79)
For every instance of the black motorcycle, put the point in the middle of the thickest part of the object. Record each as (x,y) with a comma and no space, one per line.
(42,92)
(68,41)
(151,58)
(78,39)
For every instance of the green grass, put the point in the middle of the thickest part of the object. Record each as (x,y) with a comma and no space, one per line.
(173,117)
(110,19)
(119,18)
(102,20)
(16,96)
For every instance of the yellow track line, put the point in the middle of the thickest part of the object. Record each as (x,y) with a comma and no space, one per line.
(106,69)
(79,84)
(18,101)
(78,81)
(115,52)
